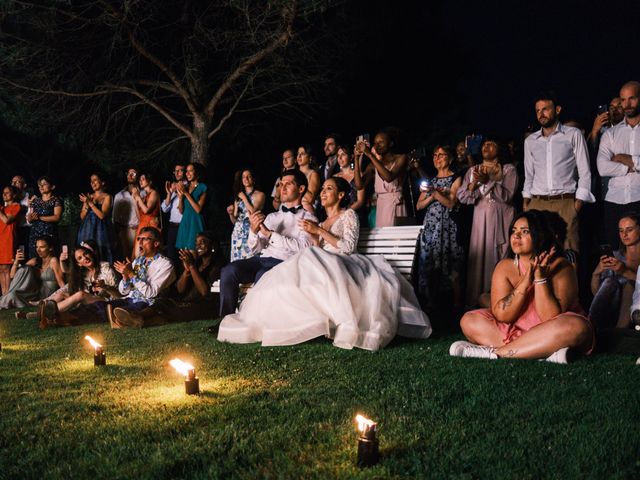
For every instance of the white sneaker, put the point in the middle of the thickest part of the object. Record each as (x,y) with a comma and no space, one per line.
(559,356)
(471,350)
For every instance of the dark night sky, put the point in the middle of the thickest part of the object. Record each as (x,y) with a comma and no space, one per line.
(443,69)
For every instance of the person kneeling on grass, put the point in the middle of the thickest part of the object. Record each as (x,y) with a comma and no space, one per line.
(143,280)
(534,296)
(200,269)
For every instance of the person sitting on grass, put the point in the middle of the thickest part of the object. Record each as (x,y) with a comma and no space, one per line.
(534,296)
(88,280)
(37,279)
(200,269)
(614,278)
(143,280)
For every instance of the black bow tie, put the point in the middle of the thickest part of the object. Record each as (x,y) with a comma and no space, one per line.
(292,209)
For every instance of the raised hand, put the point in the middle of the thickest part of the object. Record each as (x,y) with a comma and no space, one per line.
(187,257)
(124,268)
(542,264)
(256,219)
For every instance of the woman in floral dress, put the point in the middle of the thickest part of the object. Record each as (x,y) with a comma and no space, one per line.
(441,256)
(247,200)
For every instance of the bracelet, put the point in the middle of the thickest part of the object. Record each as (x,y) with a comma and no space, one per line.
(540,281)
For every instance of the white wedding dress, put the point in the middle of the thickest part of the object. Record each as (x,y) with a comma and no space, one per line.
(357,301)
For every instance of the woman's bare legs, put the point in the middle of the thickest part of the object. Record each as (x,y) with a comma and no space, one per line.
(566,330)
(480,330)
(5,278)
(80,297)
(626,299)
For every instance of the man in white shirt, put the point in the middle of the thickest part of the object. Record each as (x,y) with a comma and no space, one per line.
(619,161)
(556,167)
(170,205)
(143,280)
(125,215)
(272,239)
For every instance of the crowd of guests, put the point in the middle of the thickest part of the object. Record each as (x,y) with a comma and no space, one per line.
(471,198)
(501,231)
(125,266)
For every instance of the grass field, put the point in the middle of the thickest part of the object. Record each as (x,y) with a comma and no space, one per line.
(288,412)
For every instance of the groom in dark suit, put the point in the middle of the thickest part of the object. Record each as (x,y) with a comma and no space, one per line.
(272,239)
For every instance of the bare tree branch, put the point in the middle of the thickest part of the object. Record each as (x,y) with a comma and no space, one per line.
(281,40)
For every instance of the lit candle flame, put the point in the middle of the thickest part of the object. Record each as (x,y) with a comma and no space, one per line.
(181,367)
(364,423)
(93,343)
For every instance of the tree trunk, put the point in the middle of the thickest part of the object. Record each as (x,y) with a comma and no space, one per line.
(200,140)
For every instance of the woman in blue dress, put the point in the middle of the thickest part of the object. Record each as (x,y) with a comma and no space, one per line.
(96,218)
(246,201)
(44,214)
(191,201)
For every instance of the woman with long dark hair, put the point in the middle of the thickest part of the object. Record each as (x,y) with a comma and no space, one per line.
(191,201)
(148,206)
(306,164)
(246,200)
(37,279)
(535,310)
(96,218)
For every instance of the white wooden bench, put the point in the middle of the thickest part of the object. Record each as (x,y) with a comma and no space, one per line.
(398,245)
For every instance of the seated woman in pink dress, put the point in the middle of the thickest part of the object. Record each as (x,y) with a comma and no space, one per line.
(534,296)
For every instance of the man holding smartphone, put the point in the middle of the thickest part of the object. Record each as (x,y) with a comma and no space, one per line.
(556,168)
(619,161)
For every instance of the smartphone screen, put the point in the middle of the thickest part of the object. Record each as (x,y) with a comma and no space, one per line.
(606,250)
(603,109)
(65,249)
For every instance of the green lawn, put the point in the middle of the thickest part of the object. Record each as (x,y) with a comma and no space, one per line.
(288,412)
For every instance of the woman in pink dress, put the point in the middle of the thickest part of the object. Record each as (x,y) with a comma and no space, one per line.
(388,169)
(534,296)
(489,187)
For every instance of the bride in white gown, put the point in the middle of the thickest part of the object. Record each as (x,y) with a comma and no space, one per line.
(326,290)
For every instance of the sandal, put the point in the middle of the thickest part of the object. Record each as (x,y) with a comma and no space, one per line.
(20,315)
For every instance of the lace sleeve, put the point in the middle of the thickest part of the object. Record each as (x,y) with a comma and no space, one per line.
(350,232)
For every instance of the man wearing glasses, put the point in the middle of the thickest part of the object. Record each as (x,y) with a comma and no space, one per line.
(142,280)
(170,206)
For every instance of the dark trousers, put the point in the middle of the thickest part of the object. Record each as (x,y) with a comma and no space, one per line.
(612,214)
(241,271)
(172,235)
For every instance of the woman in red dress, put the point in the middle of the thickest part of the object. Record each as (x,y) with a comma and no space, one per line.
(148,206)
(9,211)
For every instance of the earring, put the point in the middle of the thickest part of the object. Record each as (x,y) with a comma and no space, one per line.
(516,260)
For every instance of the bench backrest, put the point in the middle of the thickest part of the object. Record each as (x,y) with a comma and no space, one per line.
(398,245)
